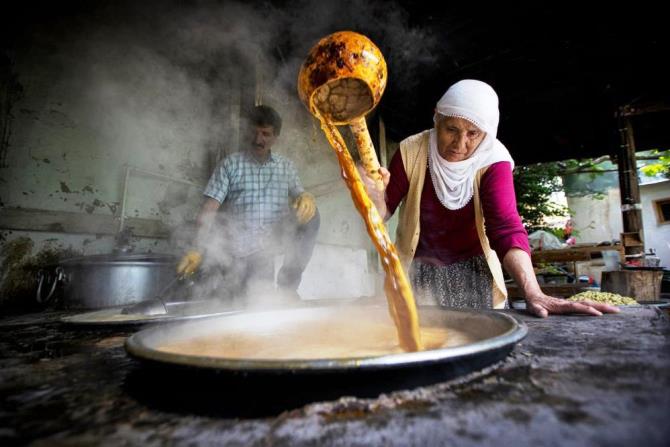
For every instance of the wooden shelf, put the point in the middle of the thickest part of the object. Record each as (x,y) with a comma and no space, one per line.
(632,239)
(574,254)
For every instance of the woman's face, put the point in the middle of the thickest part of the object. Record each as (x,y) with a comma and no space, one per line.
(457,138)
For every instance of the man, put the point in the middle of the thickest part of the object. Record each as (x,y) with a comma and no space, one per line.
(265,211)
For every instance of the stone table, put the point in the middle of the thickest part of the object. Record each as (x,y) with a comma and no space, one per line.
(574,381)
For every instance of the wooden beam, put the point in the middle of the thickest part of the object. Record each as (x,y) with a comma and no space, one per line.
(629,187)
(383,154)
(30,219)
(630,110)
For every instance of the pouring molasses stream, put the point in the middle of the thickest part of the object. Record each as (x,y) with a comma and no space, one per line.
(342,79)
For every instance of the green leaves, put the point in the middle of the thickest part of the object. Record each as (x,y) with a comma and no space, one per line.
(660,167)
(534,186)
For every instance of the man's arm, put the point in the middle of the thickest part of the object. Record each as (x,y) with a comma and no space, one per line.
(204,220)
(216,187)
(190,262)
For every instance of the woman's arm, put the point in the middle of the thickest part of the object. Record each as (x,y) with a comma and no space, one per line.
(503,224)
(518,264)
(509,239)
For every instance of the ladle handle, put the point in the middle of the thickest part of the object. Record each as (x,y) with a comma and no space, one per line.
(400,297)
(367,150)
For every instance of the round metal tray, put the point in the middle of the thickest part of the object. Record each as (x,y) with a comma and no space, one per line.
(493,335)
(177,311)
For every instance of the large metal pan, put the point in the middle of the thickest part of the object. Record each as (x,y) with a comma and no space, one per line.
(263,387)
(487,333)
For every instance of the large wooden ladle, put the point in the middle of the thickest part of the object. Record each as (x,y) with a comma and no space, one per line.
(342,80)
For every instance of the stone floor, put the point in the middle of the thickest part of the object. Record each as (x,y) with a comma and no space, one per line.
(573,381)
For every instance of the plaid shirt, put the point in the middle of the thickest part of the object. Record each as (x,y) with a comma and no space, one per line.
(255,197)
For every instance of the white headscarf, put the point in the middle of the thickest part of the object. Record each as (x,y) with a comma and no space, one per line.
(476,102)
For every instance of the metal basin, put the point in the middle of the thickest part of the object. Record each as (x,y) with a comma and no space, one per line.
(482,333)
(259,387)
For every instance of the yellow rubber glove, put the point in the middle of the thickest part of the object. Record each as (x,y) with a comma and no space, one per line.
(305,207)
(189,263)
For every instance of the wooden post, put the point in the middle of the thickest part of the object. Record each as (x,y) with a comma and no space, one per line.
(631,209)
(383,154)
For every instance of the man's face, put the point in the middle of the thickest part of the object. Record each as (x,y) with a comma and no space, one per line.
(263,137)
(457,138)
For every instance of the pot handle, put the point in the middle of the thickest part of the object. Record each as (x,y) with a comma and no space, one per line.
(40,278)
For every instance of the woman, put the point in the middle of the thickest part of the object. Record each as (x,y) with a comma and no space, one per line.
(458,214)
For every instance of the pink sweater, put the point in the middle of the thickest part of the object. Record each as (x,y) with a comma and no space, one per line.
(448,236)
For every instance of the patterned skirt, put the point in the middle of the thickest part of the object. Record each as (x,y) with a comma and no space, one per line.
(467,283)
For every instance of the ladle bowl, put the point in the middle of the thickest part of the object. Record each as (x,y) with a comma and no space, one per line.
(343,77)
(342,80)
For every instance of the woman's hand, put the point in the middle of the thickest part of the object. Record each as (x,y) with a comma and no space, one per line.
(542,305)
(518,264)
(376,195)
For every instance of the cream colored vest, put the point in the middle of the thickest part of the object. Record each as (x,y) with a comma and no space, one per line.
(414,151)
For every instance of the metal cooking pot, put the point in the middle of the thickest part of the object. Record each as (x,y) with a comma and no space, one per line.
(99,281)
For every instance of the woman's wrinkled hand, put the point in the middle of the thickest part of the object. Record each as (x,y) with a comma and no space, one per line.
(371,185)
(543,305)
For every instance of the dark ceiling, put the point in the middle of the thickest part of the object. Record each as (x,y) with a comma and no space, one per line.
(561,72)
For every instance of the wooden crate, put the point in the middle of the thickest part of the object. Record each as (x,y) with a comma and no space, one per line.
(643,285)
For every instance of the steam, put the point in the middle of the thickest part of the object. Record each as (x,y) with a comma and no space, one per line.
(166,83)
(219,44)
